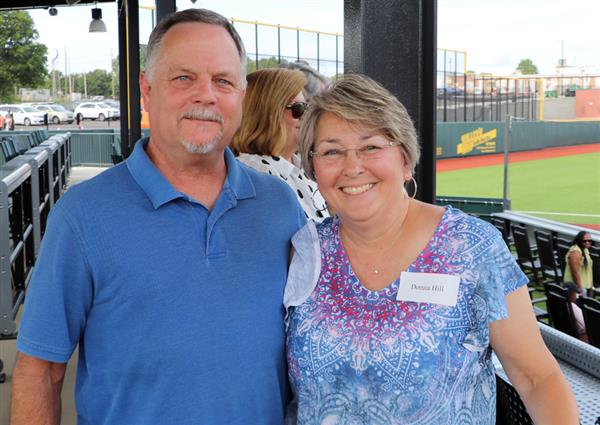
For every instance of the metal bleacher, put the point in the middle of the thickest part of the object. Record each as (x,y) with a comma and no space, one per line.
(578,360)
(30,183)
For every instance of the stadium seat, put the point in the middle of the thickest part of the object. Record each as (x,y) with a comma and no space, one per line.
(559,308)
(501,225)
(548,263)
(525,254)
(591,315)
(562,248)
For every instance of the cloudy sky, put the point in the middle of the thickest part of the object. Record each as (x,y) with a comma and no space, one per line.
(496,34)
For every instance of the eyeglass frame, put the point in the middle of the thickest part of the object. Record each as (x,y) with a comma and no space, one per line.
(358,151)
(297,115)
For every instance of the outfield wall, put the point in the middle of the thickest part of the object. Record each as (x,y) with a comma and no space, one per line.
(480,138)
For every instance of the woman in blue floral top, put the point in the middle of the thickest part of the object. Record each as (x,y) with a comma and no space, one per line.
(394,305)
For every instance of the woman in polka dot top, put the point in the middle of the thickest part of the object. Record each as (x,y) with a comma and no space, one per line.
(268,136)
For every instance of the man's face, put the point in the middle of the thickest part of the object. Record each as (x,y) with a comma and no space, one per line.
(194,91)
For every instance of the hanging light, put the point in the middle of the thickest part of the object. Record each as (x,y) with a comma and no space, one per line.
(97,24)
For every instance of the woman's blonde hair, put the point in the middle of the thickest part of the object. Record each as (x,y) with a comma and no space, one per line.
(362,101)
(269,91)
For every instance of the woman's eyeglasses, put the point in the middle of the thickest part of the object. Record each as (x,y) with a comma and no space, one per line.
(298,108)
(335,156)
(588,241)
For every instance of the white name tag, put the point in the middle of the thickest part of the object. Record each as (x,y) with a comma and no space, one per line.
(435,288)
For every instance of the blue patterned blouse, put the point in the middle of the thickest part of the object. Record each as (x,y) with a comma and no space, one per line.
(357,356)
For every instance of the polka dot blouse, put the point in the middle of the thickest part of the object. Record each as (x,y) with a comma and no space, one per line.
(310,198)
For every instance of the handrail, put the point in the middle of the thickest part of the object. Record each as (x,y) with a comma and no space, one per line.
(542,223)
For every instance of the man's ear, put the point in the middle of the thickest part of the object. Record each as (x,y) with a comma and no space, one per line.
(145,87)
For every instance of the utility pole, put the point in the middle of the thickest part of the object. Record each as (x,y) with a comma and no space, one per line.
(112,71)
(66,74)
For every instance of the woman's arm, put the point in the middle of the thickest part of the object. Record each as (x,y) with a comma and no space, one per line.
(529,365)
(574,258)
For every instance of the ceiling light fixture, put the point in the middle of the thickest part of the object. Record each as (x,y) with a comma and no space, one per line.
(97,24)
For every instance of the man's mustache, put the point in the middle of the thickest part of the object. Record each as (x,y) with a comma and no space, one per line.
(201,114)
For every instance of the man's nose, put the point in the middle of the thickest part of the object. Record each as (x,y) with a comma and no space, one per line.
(203,91)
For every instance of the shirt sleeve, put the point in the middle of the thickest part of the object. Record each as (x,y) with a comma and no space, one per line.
(59,295)
(498,274)
(305,267)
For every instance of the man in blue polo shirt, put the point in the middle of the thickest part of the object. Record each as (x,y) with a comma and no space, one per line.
(167,271)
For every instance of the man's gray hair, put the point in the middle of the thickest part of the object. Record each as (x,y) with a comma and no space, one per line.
(202,16)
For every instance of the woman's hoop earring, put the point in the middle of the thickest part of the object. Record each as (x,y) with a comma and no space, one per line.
(414,182)
(317,207)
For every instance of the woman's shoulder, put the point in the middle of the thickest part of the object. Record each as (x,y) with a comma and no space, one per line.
(455,220)
(254,160)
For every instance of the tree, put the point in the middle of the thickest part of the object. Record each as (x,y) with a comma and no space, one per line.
(115,66)
(22,58)
(271,62)
(527,67)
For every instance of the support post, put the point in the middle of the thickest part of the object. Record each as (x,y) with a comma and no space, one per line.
(394,42)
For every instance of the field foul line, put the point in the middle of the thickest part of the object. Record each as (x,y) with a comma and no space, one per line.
(557,213)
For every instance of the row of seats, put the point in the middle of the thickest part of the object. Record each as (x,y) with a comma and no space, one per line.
(30,184)
(544,261)
(13,144)
(563,319)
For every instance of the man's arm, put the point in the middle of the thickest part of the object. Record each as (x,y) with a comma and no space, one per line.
(36,391)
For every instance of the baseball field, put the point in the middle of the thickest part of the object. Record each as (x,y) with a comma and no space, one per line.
(561,184)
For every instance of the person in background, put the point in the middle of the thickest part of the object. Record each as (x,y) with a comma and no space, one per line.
(315,81)
(2,119)
(394,305)
(578,262)
(164,270)
(10,122)
(572,296)
(268,136)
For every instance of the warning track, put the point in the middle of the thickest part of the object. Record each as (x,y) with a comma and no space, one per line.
(498,159)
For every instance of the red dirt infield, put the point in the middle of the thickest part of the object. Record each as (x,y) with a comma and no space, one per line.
(498,159)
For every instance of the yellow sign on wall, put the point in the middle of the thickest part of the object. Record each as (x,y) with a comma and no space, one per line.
(477,139)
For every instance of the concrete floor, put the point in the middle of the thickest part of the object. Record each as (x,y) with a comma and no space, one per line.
(8,347)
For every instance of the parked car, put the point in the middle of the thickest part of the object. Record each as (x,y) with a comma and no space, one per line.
(112,103)
(96,111)
(23,114)
(56,113)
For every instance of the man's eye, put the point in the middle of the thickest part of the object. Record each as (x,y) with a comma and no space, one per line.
(182,78)
(224,82)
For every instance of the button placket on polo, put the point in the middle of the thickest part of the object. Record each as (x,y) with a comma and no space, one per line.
(216,246)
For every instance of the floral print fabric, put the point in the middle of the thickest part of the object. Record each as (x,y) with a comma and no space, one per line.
(357,356)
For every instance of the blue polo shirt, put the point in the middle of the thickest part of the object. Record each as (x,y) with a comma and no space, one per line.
(177,310)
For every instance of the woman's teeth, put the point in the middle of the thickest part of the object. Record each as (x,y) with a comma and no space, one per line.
(355,190)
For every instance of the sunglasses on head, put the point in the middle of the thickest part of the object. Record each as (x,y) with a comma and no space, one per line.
(298,108)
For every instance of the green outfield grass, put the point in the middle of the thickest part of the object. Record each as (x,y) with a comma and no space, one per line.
(566,185)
